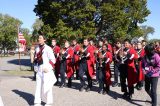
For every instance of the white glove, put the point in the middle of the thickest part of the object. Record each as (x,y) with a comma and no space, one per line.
(146,68)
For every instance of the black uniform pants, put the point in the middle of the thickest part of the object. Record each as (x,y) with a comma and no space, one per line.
(63,68)
(123,78)
(83,70)
(116,72)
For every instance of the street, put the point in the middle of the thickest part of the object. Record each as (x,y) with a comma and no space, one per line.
(18,90)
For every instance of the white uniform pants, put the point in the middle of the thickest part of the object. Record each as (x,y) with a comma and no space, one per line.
(39,94)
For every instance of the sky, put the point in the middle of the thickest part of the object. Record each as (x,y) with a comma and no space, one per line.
(23,10)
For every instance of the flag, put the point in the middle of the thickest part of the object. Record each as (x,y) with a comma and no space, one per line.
(22,42)
(21,39)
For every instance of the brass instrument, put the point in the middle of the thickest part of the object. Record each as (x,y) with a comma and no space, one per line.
(122,55)
(101,58)
(117,53)
(137,60)
(99,50)
(82,53)
(63,54)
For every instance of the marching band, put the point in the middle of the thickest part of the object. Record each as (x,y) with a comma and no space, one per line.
(90,62)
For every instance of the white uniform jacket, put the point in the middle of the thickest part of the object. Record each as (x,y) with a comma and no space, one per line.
(45,71)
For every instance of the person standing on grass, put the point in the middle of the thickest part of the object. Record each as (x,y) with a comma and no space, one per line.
(45,77)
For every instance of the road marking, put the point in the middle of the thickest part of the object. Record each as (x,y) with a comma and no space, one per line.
(1,103)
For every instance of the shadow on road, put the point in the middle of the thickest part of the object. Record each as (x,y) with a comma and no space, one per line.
(27,96)
(114,95)
(29,77)
(23,62)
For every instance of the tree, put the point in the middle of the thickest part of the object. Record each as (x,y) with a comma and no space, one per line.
(8,32)
(36,29)
(154,40)
(113,19)
(146,31)
(120,18)
(62,18)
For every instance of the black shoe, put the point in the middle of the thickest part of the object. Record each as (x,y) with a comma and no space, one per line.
(56,84)
(96,82)
(88,89)
(139,88)
(62,85)
(81,89)
(129,97)
(77,78)
(69,85)
(104,92)
(115,84)
(136,86)
(119,85)
(125,95)
(34,79)
(100,91)
(107,91)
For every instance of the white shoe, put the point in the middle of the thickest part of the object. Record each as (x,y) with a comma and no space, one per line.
(37,104)
(47,105)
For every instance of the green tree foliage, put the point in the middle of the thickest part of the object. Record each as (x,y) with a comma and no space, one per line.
(146,31)
(8,32)
(153,40)
(120,18)
(36,28)
(66,19)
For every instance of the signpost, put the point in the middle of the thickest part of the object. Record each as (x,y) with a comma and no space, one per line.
(19,53)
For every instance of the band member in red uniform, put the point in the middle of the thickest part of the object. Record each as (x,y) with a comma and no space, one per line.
(116,58)
(144,43)
(56,51)
(98,49)
(86,65)
(128,70)
(104,72)
(109,45)
(66,65)
(76,48)
(92,44)
(138,64)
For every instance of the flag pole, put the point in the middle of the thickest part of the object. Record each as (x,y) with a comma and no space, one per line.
(19,53)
